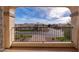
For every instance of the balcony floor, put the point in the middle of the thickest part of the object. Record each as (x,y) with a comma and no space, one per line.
(41,50)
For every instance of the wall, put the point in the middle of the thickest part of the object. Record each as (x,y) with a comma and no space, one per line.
(1,29)
(8,25)
(75,22)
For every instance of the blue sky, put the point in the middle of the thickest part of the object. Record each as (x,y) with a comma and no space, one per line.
(42,15)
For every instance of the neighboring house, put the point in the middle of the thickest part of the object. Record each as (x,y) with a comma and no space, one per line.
(55,33)
(24,26)
(34,27)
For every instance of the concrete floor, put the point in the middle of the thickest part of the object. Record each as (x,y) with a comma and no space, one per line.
(41,50)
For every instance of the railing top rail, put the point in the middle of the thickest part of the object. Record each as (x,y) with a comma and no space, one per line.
(46,27)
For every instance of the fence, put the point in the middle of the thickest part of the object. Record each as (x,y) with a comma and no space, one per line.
(43,33)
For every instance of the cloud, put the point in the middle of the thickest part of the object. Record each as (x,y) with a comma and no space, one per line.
(58,12)
(63,20)
(43,15)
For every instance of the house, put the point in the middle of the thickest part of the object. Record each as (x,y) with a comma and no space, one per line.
(34,27)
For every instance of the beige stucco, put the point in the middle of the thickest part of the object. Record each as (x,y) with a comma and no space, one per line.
(8,27)
(75,22)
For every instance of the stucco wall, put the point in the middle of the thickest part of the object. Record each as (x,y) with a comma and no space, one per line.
(1,30)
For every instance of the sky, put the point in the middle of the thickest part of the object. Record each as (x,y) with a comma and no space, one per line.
(42,15)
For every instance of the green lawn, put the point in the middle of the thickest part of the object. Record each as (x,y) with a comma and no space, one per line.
(24,30)
(60,38)
(18,36)
(64,39)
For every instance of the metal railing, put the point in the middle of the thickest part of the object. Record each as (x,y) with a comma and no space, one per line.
(43,34)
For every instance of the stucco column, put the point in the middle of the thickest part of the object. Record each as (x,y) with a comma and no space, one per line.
(78,29)
(75,23)
(1,28)
(6,28)
(9,17)
(12,23)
